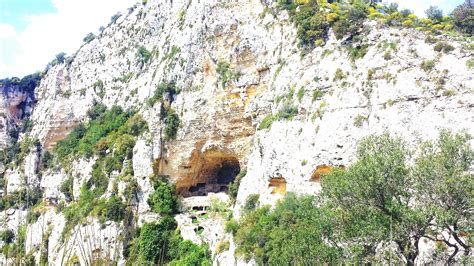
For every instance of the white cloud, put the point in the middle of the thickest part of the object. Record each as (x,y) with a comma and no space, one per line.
(48,34)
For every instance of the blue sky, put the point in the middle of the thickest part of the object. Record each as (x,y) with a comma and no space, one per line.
(16,12)
(32,32)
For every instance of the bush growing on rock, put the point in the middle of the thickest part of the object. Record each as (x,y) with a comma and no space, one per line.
(143,55)
(163,200)
(114,209)
(160,242)
(428,65)
(89,37)
(161,90)
(251,202)
(443,47)
(172,123)
(66,188)
(234,186)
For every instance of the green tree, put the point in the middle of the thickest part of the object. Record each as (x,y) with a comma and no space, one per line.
(464,17)
(153,239)
(434,13)
(447,189)
(373,200)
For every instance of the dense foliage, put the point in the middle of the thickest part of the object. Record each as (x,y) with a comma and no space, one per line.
(172,123)
(163,200)
(381,202)
(110,136)
(289,234)
(161,243)
(314,18)
(463,17)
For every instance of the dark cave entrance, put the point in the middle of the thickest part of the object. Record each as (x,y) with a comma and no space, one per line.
(215,176)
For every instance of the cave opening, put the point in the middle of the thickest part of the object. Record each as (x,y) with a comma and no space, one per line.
(214,176)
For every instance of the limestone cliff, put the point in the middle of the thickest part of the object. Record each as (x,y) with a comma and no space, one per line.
(235,63)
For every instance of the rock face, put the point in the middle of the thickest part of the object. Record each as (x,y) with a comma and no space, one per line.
(16,100)
(198,45)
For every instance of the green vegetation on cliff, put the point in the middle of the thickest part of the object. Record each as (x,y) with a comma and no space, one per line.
(381,199)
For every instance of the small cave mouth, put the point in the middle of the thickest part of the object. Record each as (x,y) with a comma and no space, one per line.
(323,169)
(278,185)
(214,176)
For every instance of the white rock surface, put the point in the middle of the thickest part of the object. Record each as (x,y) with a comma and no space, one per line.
(188,39)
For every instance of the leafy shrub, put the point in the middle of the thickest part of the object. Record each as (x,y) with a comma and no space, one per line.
(251,202)
(449,92)
(234,186)
(359,120)
(225,73)
(222,246)
(276,237)
(66,188)
(114,209)
(300,94)
(26,126)
(163,200)
(287,112)
(317,94)
(351,24)
(358,51)
(339,75)
(470,63)
(172,123)
(185,252)
(99,88)
(89,37)
(428,65)
(172,54)
(32,216)
(161,89)
(96,111)
(152,239)
(387,55)
(266,122)
(442,46)
(143,55)
(114,18)
(161,242)
(231,226)
(311,23)
(58,59)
